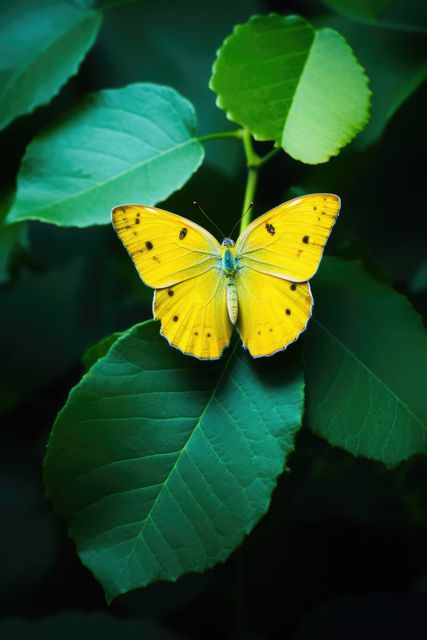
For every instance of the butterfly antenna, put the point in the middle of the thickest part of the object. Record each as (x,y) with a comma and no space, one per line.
(251,204)
(196,204)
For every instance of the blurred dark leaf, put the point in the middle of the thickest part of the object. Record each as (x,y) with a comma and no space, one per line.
(69,626)
(410,15)
(12,237)
(98,350)
(42,44)
(374,617)
(28,535)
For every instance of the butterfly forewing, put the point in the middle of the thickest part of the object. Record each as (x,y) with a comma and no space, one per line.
(165,248)
(288,241)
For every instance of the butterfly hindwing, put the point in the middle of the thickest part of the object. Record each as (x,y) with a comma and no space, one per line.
(288,241)
(194,315)
(165,248)
(272,311)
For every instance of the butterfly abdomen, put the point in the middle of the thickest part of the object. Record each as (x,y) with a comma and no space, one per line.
(232,301)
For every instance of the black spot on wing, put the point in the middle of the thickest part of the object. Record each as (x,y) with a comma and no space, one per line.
(293,286)
(175,318)
(305,239)
(183,233)
(288,312)
(137,220)
(270,229)
(170,292)
(149,245)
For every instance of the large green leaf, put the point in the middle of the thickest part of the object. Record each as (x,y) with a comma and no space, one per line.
(42,44)
(133,144)
(287,82)
(164,462)
(366,366)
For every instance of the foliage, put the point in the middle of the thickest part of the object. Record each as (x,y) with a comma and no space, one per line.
(164,489)
(357,396)
(278,77)
(121,144)
(163,464)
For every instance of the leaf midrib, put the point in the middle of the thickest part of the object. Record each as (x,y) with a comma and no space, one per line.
(98,185)
(172,470)
(372,373)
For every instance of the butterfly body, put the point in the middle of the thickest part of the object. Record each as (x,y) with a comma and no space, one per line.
(203,288)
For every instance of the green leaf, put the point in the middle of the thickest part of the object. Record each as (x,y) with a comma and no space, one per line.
(41,46)
(133,144)
(164,462)
(69,626)
(11,238)
(365,355)
(287,82)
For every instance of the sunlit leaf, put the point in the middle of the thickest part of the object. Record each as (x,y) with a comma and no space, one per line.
(163,463)
(42,44)
(287,82)
(365,356)
(134,144)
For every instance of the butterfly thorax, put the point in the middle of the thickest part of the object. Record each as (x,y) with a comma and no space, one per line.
(228,254)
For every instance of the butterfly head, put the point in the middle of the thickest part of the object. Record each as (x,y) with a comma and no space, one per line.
(227,242)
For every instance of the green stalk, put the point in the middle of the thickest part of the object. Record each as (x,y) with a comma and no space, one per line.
(236,133)
(254,162)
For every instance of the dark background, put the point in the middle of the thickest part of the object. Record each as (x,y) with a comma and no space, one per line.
(342,551)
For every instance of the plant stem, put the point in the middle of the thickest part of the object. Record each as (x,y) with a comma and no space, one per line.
(254,162)
(251,184)
(236,133)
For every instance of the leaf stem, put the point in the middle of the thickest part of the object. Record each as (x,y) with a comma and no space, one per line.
(251,185)
(236,133)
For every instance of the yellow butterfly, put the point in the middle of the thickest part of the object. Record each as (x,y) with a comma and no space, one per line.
(202,288)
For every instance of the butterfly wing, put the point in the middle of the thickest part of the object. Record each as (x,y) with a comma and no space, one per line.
(194,315)
(288,241)
(164,247)
(182,261)
(272,311)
